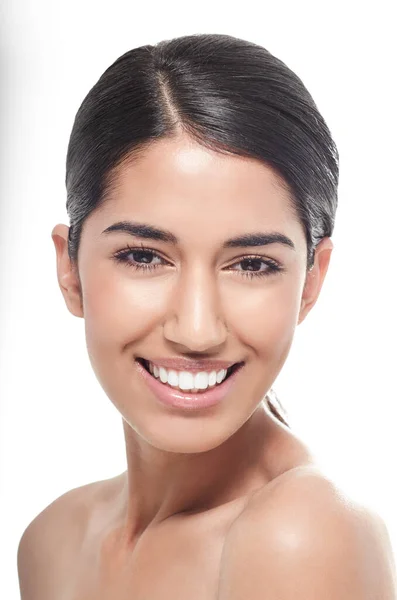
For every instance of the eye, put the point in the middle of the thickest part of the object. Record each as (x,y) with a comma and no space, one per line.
(146,255)
(254,265)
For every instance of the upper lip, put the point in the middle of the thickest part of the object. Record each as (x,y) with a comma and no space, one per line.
(185,364)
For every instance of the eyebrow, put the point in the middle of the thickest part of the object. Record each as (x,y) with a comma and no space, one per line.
(149,232)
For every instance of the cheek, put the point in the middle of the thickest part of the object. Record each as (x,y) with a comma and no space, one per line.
(119,310)
(118,313)
(265,318)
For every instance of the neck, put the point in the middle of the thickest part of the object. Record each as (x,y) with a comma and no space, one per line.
(159,484)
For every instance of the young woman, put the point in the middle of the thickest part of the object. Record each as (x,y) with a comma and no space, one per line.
(201,189)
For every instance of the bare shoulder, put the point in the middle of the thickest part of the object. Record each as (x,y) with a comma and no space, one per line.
(49,543)
(302,537)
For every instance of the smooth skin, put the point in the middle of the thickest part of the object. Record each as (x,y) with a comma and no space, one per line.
(226,504)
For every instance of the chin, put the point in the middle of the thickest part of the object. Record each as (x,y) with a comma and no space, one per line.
(181,435)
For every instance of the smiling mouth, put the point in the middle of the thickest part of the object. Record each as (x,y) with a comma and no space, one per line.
(229,372)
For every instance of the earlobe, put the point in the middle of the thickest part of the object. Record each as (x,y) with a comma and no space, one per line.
(315,277)
(67,275)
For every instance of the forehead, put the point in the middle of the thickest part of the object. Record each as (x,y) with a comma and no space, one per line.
(178,183)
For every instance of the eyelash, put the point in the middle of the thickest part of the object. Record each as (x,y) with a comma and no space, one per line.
(121,257)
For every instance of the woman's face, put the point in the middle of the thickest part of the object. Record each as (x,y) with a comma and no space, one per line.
(198,299)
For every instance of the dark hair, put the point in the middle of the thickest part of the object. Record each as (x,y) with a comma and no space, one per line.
(228,94)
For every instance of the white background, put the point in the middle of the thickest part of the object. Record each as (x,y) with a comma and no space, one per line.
(58,430)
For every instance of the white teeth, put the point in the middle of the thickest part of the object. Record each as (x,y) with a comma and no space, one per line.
(163,375)
(219,376)
(201,380)
(212,378)
(184,380)
(172,378)
(188,381)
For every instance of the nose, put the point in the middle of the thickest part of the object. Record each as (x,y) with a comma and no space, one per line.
(194,321)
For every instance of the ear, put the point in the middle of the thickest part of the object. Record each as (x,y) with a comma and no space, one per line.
(315,277)
(68,278)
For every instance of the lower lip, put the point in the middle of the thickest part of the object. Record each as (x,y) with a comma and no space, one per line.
(189,401)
